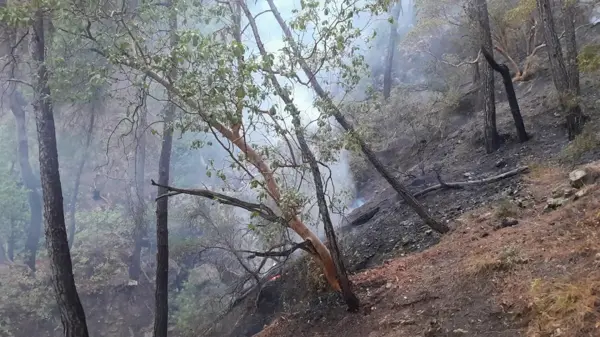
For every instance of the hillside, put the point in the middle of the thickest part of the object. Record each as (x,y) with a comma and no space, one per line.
(482,279)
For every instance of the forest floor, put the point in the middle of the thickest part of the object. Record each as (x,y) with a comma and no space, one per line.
(489,276)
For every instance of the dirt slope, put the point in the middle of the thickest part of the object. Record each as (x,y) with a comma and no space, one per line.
(537,278)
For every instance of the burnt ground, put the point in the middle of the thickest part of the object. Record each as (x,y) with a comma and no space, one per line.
(413,276)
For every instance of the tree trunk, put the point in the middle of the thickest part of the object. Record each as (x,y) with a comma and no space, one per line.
(389,61)
(69,305)
(339,117)
(80,166)
(569,12)
(510,94)
(161,311)
(17,105)
(342,275)
(140,230)
(492,140)
(11,241)
(567,88)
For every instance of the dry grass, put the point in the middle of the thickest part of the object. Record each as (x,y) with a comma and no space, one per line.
(588,140)
(563,308)
(505,209)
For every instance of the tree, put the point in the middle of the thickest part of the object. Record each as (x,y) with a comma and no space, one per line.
(567,88)
(569,8)
(510,93)
(342,275)
(395,11)
(339,117)
(69,304)
(161,312)
(80,166)
(492,140)
(17,105)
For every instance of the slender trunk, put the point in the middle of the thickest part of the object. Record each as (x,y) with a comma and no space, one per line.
(69,305)
(567,87)
(342,275)
(339,117)
(389,61)
(510,94)
(161,312)
(11,241)
(492,141)
(17,105)
(80,166)
(3,257)
(569,12)
(140,230)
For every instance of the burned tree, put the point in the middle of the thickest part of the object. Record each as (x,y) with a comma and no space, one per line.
(492,140)
(339,117)
(567,88)
(510,94)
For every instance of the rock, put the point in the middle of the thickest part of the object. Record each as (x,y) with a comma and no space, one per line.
(577,178)
(501,163)
(508,222)
(568,192)
(428,232)
(554,203)
(468,174)
(581,193)
(459,332)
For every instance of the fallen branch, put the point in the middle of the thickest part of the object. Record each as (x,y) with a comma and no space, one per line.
(259,209)
(463,184)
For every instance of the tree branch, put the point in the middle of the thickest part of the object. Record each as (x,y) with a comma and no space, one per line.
(306,246)
(259,209)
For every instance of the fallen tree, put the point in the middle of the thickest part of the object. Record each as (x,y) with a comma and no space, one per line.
(462,184)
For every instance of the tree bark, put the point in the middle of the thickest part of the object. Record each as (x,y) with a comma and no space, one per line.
(510,94)
(567,89)
(69,305)
(161,311)
(389,61)
(342,275)
(569,12)
(492,140)
(339,117)
(17,105)
(80,166)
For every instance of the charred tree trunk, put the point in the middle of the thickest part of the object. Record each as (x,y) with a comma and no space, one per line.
(567,89)
(80,166)
(510,94)
(389,61)
(339,117)
(492,140)
(342,274)
(161,311)
(17,105)
(69,305)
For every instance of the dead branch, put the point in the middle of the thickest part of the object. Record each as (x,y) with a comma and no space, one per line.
(260,209)
(452,64)
(462,184)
